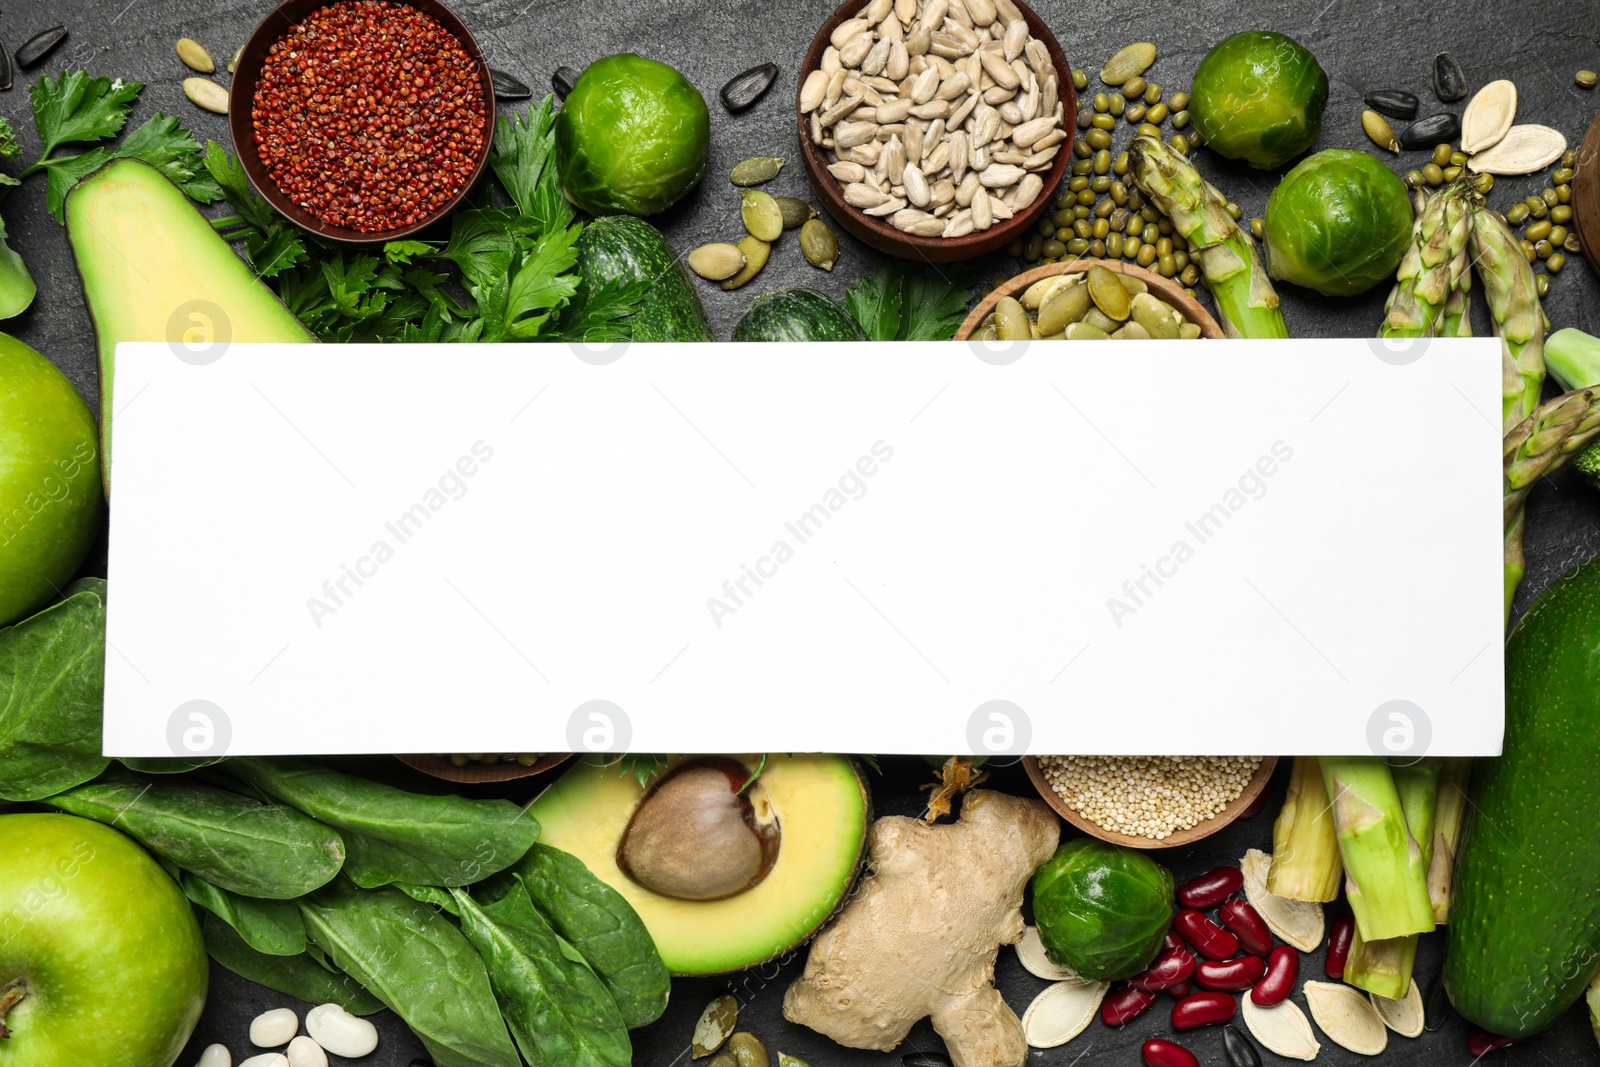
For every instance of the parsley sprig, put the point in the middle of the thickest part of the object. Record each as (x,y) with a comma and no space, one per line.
(900,301)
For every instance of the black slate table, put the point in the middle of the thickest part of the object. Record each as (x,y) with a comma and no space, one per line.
(1363,45)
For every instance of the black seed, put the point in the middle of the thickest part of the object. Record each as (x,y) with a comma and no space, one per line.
(745,89)
(1241,1053)
(507,87)
(1435,129)
(925,1059)
(1449,81)
(564,79)
(40,45)
(1436,1007)
(5,67)
(1396,103)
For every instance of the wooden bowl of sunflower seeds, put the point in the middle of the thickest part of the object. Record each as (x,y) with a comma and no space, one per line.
(935,129)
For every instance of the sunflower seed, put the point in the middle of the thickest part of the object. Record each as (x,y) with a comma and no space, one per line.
(35,48)
(1396,103)
(861,195)
(982,213)
(848,173)
(847,31)
(888,207)
(1449,81)
(507,86)
(563,80)
(851,134)
(744,89)
(5,67)
(206,94)
(893,111)
(855,50)
(916,184)
(195,56)
(840,110)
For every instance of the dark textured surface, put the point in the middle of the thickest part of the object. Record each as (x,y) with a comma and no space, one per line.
(1363,44)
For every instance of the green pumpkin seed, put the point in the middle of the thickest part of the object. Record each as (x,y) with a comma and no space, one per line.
(762,216)
(755,257)
(795,212)
(1190,331)
(1131,61)
(717,261)
(233,64)
(1378,129)
(1131,331)
(756,170)
(748,1051)
(818,244)
(1108,293)
(715,1025)
(1011,321)
(786,1060)
(1083,331)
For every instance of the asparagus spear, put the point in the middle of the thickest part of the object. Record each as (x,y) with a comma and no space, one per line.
(1555,432)
(1448,815)
(1514,306)
(1432,266)
(1305,846)
(1386,880)
(1573,359)
(1246,301)
(1456,321)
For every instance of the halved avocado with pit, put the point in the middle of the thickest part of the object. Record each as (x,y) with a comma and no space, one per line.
(725,872)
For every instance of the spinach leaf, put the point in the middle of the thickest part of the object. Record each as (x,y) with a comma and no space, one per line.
(396,836)
(559,1012)
(52,680)
(433,896)
(271,927)
(167,764)
(590,914)
(232,841)
(416,962)
(301,977)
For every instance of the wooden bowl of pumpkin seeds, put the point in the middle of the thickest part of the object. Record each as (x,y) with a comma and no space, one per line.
(1089,299)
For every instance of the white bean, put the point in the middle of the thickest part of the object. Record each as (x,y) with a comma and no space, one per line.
(344,1034)
(271,1059)
(273,1028)
(304,1052)
(215,1056)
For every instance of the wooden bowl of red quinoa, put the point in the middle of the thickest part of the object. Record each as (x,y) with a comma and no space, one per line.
(242,127)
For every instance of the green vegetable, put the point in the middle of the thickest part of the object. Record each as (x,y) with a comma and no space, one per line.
(395,836)
(586,912)
(1102,910)
(1524,933)
(1573,358)
(558,1010)
(271,927)
(1448,816)
(1246,301)
(1386,874)
(621,253)
(1557,430)
(1511,292)
(16,284)
(1384,967)
(1305,847)
(301,977)
(1433,265)
(523,158)
(52,675)
(1337,223)
(419,965)
(232,841)
(796,315)
(1259,97)
(902,301)
(631,137)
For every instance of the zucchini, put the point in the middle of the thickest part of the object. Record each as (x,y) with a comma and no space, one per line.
(797,315)
(624,249)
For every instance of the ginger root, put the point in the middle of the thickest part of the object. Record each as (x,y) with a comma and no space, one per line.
(920,936)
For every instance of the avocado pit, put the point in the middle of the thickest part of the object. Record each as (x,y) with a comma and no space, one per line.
(704,832)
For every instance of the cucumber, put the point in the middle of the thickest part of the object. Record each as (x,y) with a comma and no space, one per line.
(797,315)
(1524,934)
(624,249)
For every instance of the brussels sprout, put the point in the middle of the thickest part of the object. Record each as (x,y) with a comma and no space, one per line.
(1337,223)
(631,137)
(1102,910)
(1259,97)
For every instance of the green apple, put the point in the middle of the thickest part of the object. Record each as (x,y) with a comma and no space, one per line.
(101,961)
(50,496)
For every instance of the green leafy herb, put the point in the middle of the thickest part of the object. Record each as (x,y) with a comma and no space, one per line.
(77,107)
(271,927)
(542,285)
(402,251)
(901,301)
(9,148)
(232,841)
(172,150)
(270,244)
(412,958)
(52,674)
(301,977)
(523,159)
(395,836)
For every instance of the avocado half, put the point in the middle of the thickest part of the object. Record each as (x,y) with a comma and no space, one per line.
(796,836)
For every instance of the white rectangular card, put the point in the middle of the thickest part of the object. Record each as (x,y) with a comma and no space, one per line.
(1142,547)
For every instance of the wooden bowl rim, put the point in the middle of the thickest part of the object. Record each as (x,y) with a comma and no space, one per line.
(1586,194)
(884,237)
(478,773)
(241,96)
(1236,807)
(1165,288)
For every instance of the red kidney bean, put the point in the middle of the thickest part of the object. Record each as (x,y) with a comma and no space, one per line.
(1481,1042)
(1256,805)
(1158,1053)
(1125,1005)
(1283,967)
(1202,1009)
(1339,946)
(1182,989)
(1174,965)
(1205,936)
(1229,976)
(1247,925)
(1210,889)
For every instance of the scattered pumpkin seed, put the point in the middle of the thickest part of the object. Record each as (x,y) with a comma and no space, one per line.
(35,48)
(748,1051)
(755,252)
(233,61)
(1377,128)
(1489,116)
(756,170)
(1449,80)
(744,89)
(786,1060)
(1522,150)
(819,245)
(716,1025)
(762,216)
(195,56)
(1130,61)
(717,261)
(206,94)
(1108,293)
(795,212)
